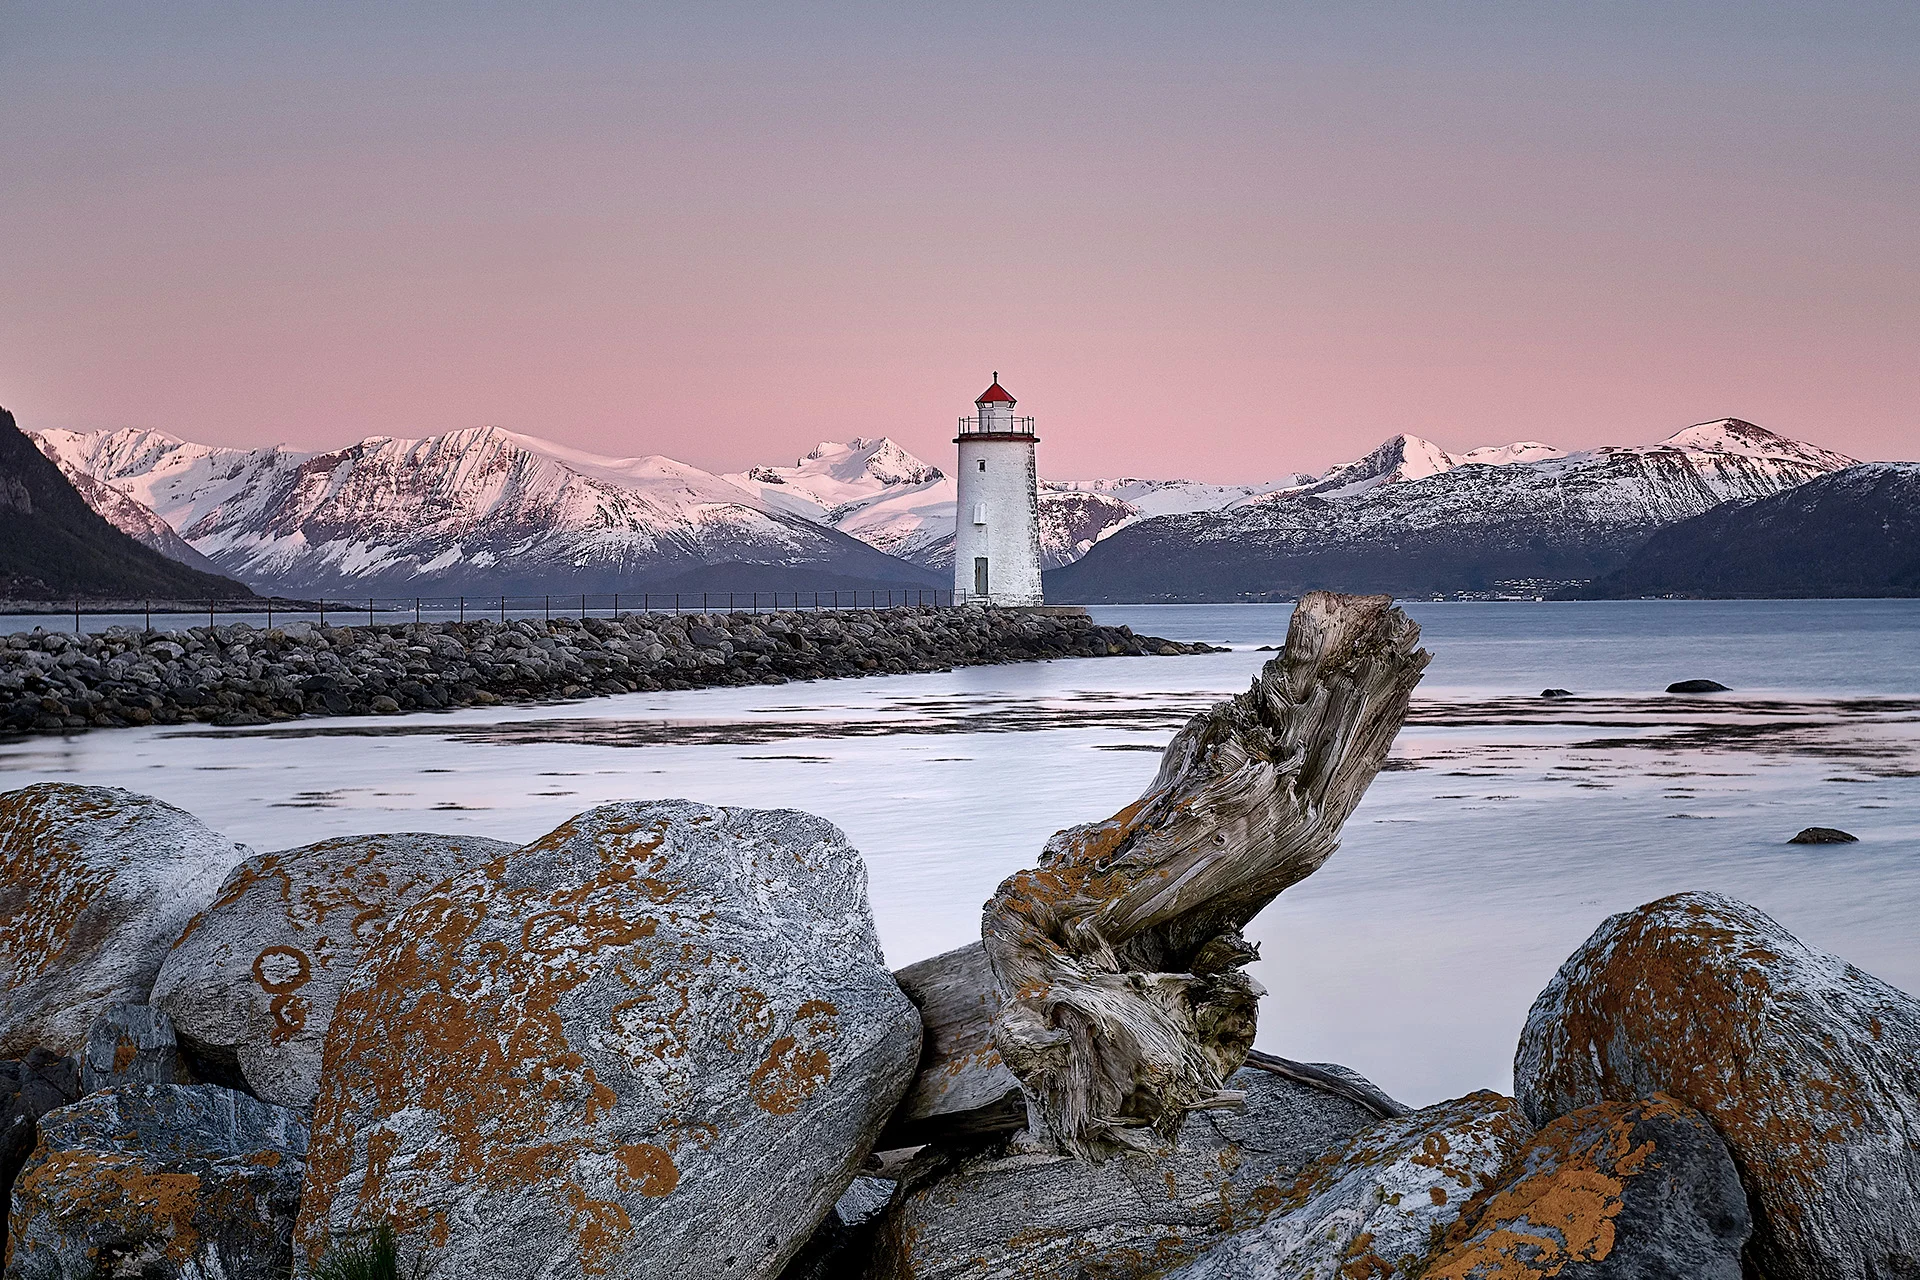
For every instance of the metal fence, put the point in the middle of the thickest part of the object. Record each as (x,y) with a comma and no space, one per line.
(98,615)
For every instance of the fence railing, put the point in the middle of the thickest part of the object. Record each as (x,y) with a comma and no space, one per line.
(372,610)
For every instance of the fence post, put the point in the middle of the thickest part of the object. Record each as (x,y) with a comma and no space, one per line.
(463,608)
(549,608)
(76,615)
(149,615)
(269,613)
(369,610)
(616,606)
(503,610)
(705,608)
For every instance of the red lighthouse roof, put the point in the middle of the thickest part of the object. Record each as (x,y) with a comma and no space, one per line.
(995,394)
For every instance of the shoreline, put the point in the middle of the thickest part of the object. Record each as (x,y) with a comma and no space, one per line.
(237,674)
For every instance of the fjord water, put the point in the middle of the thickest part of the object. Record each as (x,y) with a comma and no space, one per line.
(1505,829)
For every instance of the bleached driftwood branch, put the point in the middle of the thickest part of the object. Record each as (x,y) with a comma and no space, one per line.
(1117,960)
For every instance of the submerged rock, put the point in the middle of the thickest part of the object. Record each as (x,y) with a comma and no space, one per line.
(252,982)
(1556,693)
(658,1041)
(95,884)
(1809,1067)
(1376,1206)
(131,1044)
(29,1088)
(1615,1191)
(160,1181)
(1009,1212)
(1697,686)
(1824,835)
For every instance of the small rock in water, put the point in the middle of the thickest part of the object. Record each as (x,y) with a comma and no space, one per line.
(1556,693)
(1824,835)
(1697,686)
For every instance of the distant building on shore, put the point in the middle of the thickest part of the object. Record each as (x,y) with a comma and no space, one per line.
(996,536)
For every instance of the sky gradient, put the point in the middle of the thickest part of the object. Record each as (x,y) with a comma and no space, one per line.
(1221,241)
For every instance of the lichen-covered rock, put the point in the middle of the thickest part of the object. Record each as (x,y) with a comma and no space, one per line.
(1377,1206)
(1615,1191)
(658,1041)
(252,982)
(1034,1214)
(29,1088)
(131,1044)
(1809,1067)
(160,1181)
(95,884)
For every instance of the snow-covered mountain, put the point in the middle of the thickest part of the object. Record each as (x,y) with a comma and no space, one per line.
(482,509)
(489,509)
(1445,524)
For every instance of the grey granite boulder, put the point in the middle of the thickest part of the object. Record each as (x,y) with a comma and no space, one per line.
(160,1181)
(95,884)
(252,982)
(1615,1191)
(1376,1206)
(1808,1067)
(130,1044)
(659,1041)
(29,1088)
(1013,1212)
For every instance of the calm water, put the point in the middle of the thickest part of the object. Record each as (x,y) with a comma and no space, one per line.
(1505,829)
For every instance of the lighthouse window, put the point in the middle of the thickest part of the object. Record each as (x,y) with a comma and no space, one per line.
(983,464)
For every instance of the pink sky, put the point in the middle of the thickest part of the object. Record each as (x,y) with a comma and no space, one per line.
(1222,243)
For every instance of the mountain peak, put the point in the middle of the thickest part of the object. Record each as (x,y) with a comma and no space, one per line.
(1737,436)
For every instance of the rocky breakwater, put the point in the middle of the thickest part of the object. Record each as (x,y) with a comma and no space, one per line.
(56,682)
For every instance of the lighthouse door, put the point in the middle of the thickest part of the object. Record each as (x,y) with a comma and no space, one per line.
(980,576)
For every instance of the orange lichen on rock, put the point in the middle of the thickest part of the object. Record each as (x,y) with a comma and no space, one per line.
(1801,1061)
(1651,1178)
(557,1045)
(95,884)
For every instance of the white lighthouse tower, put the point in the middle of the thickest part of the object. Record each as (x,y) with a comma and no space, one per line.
(996,536)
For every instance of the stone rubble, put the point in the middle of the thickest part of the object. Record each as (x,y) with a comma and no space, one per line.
(239,674)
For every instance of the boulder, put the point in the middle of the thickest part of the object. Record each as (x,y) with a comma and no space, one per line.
(29,1088)
(1615,1191)
(160,1181)
(1807,1066)
(1013,1210)
(1697,686)
(130,1044)
(1824,835)
(1556,693)
(659,1041)
(1376,1206)
(252,982)
(95,884)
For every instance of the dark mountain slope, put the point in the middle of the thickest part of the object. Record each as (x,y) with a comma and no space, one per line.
(53,545)
(1852,533)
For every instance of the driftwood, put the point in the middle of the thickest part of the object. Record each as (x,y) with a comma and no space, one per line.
(963,1091)
(1117,960)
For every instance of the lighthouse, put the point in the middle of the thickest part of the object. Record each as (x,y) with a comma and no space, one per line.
(996,536)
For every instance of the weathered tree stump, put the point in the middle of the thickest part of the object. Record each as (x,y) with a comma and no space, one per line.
(1118,958)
